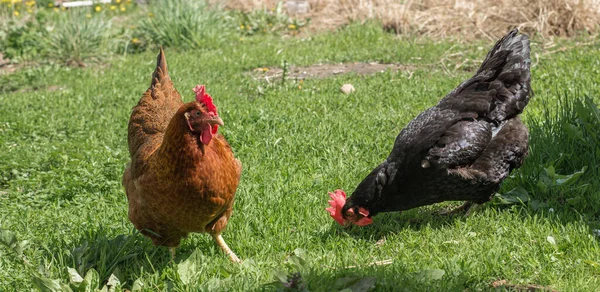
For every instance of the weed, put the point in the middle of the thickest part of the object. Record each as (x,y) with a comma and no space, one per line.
(184,24)
(76,39)
(267,21)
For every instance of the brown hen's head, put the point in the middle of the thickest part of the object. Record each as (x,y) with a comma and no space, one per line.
(344,214)
(202,117)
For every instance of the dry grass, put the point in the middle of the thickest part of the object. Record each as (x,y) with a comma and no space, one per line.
(453,18)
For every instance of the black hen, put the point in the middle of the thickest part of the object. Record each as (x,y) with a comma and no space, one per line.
(460,149)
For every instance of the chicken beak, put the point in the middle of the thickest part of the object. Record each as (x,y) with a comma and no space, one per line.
(216,120)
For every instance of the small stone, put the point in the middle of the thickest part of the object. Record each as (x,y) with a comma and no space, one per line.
(347,88)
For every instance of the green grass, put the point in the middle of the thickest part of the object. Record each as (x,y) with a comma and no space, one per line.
(63,153)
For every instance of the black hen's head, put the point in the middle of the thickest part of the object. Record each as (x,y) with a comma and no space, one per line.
(344,213)
(366,200)
(360,207)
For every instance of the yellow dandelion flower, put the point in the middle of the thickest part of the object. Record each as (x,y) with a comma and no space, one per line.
(30,3)
(113,8)
(16,13)
(98,8)
(118,1)
(88,15)
(242,27)
(55,9)
(50,4)
(29,11)
(292,26)
(135,40)
(122,8)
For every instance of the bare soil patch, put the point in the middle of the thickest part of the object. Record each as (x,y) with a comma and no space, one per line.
(320,71)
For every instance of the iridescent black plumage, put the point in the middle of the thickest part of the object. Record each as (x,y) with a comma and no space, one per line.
(462,148)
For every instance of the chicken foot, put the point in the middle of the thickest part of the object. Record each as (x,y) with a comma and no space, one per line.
(221,243)
(466,207)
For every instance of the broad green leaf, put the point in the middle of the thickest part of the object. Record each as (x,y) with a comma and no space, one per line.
(297,259)
(74,277)
(91,281)
(8,238)
(573,131)
(20,246)
(112,283)
(138,285)
(569,179)
(188,269)
(575,201)
(280,275)
(514,196)
(48,285)
(431,274)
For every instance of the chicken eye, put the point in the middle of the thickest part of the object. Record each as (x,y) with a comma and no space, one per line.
(197,113)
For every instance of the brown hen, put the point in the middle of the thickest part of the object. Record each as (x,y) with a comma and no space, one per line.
(183,175)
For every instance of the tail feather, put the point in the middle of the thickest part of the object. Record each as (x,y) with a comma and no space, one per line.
(150,117)
(506,72)
(161,74)
(512,50)
(514,75)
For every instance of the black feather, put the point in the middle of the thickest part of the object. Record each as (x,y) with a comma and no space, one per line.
(463,147)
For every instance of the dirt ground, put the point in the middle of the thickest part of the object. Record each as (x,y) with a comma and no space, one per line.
(326,70)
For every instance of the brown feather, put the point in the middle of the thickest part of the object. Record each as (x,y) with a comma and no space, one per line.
(175,184)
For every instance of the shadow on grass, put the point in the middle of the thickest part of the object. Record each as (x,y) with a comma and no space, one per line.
(389,223)
(129,257)
(125,256)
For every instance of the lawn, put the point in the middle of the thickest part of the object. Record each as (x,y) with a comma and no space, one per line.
(63,147)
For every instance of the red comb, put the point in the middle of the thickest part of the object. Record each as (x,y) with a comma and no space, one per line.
(205,98)
(338,199)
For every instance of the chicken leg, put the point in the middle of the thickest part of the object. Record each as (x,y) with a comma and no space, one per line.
(221,243)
